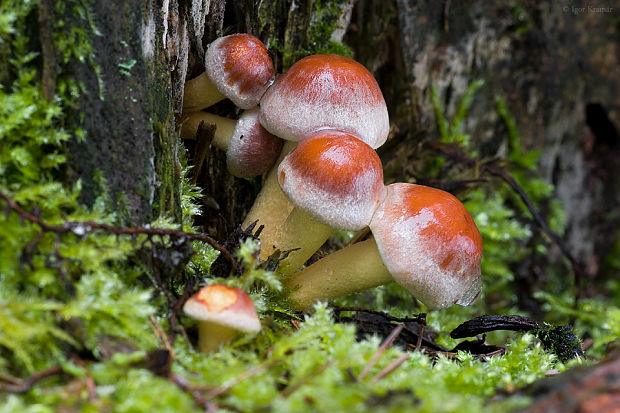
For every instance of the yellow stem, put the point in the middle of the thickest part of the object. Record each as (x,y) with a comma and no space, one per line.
(300,231)
(271,207)
(200,93)
(354,268)
(224,127)
(211,336)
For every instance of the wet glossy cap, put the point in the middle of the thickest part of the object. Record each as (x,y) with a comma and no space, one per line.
(326,92)
(335,177)
(252,150)
(226,306)
(430,244)
(240,67)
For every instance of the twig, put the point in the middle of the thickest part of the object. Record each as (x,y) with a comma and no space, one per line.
(386,343)
(530,206)
(418,344)
(86,227)
(486,323)
(390,368)
(245,375)
(186,386)
(204,137)
(420,318)
(161,336)
(22,386)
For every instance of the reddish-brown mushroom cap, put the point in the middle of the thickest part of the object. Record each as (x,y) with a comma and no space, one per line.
(326,92)
(335,177)
(240,67)
(430,244)
(251,150)
(226,306)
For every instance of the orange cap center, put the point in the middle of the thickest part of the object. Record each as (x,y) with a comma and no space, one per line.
(217,298)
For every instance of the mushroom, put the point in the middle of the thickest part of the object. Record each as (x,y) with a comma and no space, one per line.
(250,149)
(335,180)
(326,92)
(222,313)
(319,92)
(424,239)
(238,67)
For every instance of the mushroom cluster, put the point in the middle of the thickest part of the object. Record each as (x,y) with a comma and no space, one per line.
(332,116)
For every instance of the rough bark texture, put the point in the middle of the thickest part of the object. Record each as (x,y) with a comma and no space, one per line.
(126,98)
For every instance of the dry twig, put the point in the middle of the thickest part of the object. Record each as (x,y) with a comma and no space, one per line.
(22,386)
(386,343)
(87,227)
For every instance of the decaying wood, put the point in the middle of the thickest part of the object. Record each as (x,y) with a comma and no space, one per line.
(589,389)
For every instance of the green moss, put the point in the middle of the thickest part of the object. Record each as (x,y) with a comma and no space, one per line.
(84,301)
(311,34)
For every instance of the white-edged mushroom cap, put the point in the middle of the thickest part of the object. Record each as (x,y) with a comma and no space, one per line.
(240,67)
(430,244)
(252,150)
(335,177)
(326,92)
(223,305)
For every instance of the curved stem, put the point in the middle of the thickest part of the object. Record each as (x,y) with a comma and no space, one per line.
(300,231)
(224,127)
(354,268)
(271,207)
(200,93)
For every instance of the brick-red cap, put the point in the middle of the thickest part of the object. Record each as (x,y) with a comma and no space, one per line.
(326,92)
(252,150)
(335,177)
(430,244)
(240,67)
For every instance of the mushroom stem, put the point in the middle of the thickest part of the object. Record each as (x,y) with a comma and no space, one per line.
(224,127)
(300,231)
(200,93)
(354,268)
(212,335)
(271,207)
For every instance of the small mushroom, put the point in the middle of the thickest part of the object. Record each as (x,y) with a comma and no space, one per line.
(424,239)
(335,181)
(319,92)
(237,67)
(250,149)
(222,313)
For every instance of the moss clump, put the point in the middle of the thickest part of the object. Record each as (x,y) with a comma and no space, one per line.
(309,32)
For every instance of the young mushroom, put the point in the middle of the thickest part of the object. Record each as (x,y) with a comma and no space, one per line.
(335,181)
(424,239)
(237,67)
(222,313)
(250,149)
(319,92)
